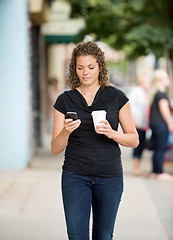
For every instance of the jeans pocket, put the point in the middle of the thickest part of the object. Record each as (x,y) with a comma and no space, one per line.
(67,172)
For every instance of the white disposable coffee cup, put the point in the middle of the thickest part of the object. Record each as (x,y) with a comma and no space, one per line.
(98,116)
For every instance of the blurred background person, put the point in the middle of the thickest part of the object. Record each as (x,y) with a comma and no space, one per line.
(160,122)
(139,104)
(53,92)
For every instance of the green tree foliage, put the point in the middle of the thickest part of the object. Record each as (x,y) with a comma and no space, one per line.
(136,26)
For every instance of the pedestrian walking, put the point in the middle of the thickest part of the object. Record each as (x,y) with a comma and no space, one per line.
(160,122)
(139,104)
(92,173)
(52,94)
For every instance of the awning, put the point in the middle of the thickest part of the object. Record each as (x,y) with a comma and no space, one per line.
(59,38)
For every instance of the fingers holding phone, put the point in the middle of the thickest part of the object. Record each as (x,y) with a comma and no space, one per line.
(71,122)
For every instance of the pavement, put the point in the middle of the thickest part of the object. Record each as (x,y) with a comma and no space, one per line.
(31,202)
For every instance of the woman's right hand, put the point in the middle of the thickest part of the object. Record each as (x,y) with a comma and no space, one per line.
(70,125)
(62,128)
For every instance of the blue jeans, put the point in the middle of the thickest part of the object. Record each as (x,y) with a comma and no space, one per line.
(137,152)
(160,137)
(80,192)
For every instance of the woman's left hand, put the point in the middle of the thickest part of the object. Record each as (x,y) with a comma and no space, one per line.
(104,128)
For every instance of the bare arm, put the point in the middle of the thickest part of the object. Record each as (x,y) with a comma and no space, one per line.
(62,128)
(166,113)
(129,137)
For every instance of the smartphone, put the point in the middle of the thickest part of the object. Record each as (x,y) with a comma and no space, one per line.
(72,115)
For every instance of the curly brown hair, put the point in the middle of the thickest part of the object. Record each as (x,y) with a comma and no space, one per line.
(85,49)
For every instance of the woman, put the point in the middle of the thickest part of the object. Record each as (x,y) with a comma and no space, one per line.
(160,122)
(140,111)
(92,170)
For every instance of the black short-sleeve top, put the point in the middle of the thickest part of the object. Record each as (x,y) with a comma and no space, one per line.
(87,152)
(155,114)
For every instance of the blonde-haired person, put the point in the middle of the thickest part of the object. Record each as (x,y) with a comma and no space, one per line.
(139,104)
(92,172)
(160,122)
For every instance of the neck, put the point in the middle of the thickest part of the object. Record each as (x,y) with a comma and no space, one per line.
(89,92)
(161,88)
(90,89)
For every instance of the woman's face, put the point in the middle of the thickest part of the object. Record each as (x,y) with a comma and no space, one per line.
(165,80)
(87,70)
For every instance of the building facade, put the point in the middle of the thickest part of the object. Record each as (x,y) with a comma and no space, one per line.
(20,76)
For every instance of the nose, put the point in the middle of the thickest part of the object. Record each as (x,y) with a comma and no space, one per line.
(85,71)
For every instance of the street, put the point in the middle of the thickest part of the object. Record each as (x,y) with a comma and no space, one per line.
(31,204)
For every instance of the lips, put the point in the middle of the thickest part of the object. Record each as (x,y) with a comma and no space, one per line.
(85,78)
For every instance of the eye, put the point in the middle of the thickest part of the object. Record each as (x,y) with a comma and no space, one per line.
(79,68)
(91,68)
